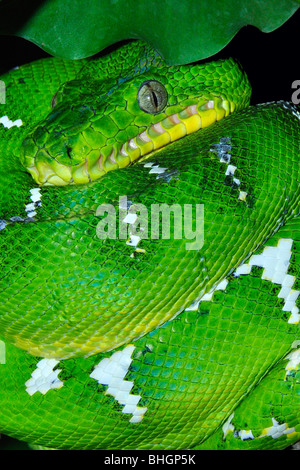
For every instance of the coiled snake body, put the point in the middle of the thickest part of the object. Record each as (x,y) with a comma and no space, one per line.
(144,341)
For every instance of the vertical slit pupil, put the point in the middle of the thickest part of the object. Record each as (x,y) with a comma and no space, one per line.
(154,99)
(152,96)
(69,150)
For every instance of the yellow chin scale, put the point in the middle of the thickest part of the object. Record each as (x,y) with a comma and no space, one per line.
(158,135)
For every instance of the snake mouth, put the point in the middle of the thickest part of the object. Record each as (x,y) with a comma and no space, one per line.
(171,128)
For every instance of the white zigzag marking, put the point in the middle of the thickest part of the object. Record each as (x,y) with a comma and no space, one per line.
(111,371)
(8,123)
(276,260)
(293,361)
(277,430)
(222,149)
(44,378)
(209,295)
(36,201)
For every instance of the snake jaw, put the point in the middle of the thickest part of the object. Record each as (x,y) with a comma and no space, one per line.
(171,128)
(174,125)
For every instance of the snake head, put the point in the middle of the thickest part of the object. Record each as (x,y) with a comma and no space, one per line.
(123,107)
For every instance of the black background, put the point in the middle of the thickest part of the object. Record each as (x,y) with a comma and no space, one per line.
(271,60)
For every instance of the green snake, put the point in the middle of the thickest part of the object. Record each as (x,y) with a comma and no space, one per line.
(145,341)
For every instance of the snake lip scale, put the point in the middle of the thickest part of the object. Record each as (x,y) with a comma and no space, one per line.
(158,135)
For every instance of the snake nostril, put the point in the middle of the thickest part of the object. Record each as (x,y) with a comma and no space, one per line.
(69,150)
(54,100)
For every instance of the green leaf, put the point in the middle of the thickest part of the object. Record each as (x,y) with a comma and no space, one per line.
(181,30)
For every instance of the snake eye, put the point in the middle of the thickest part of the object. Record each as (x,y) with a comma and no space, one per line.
(54,100)
(152,97)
